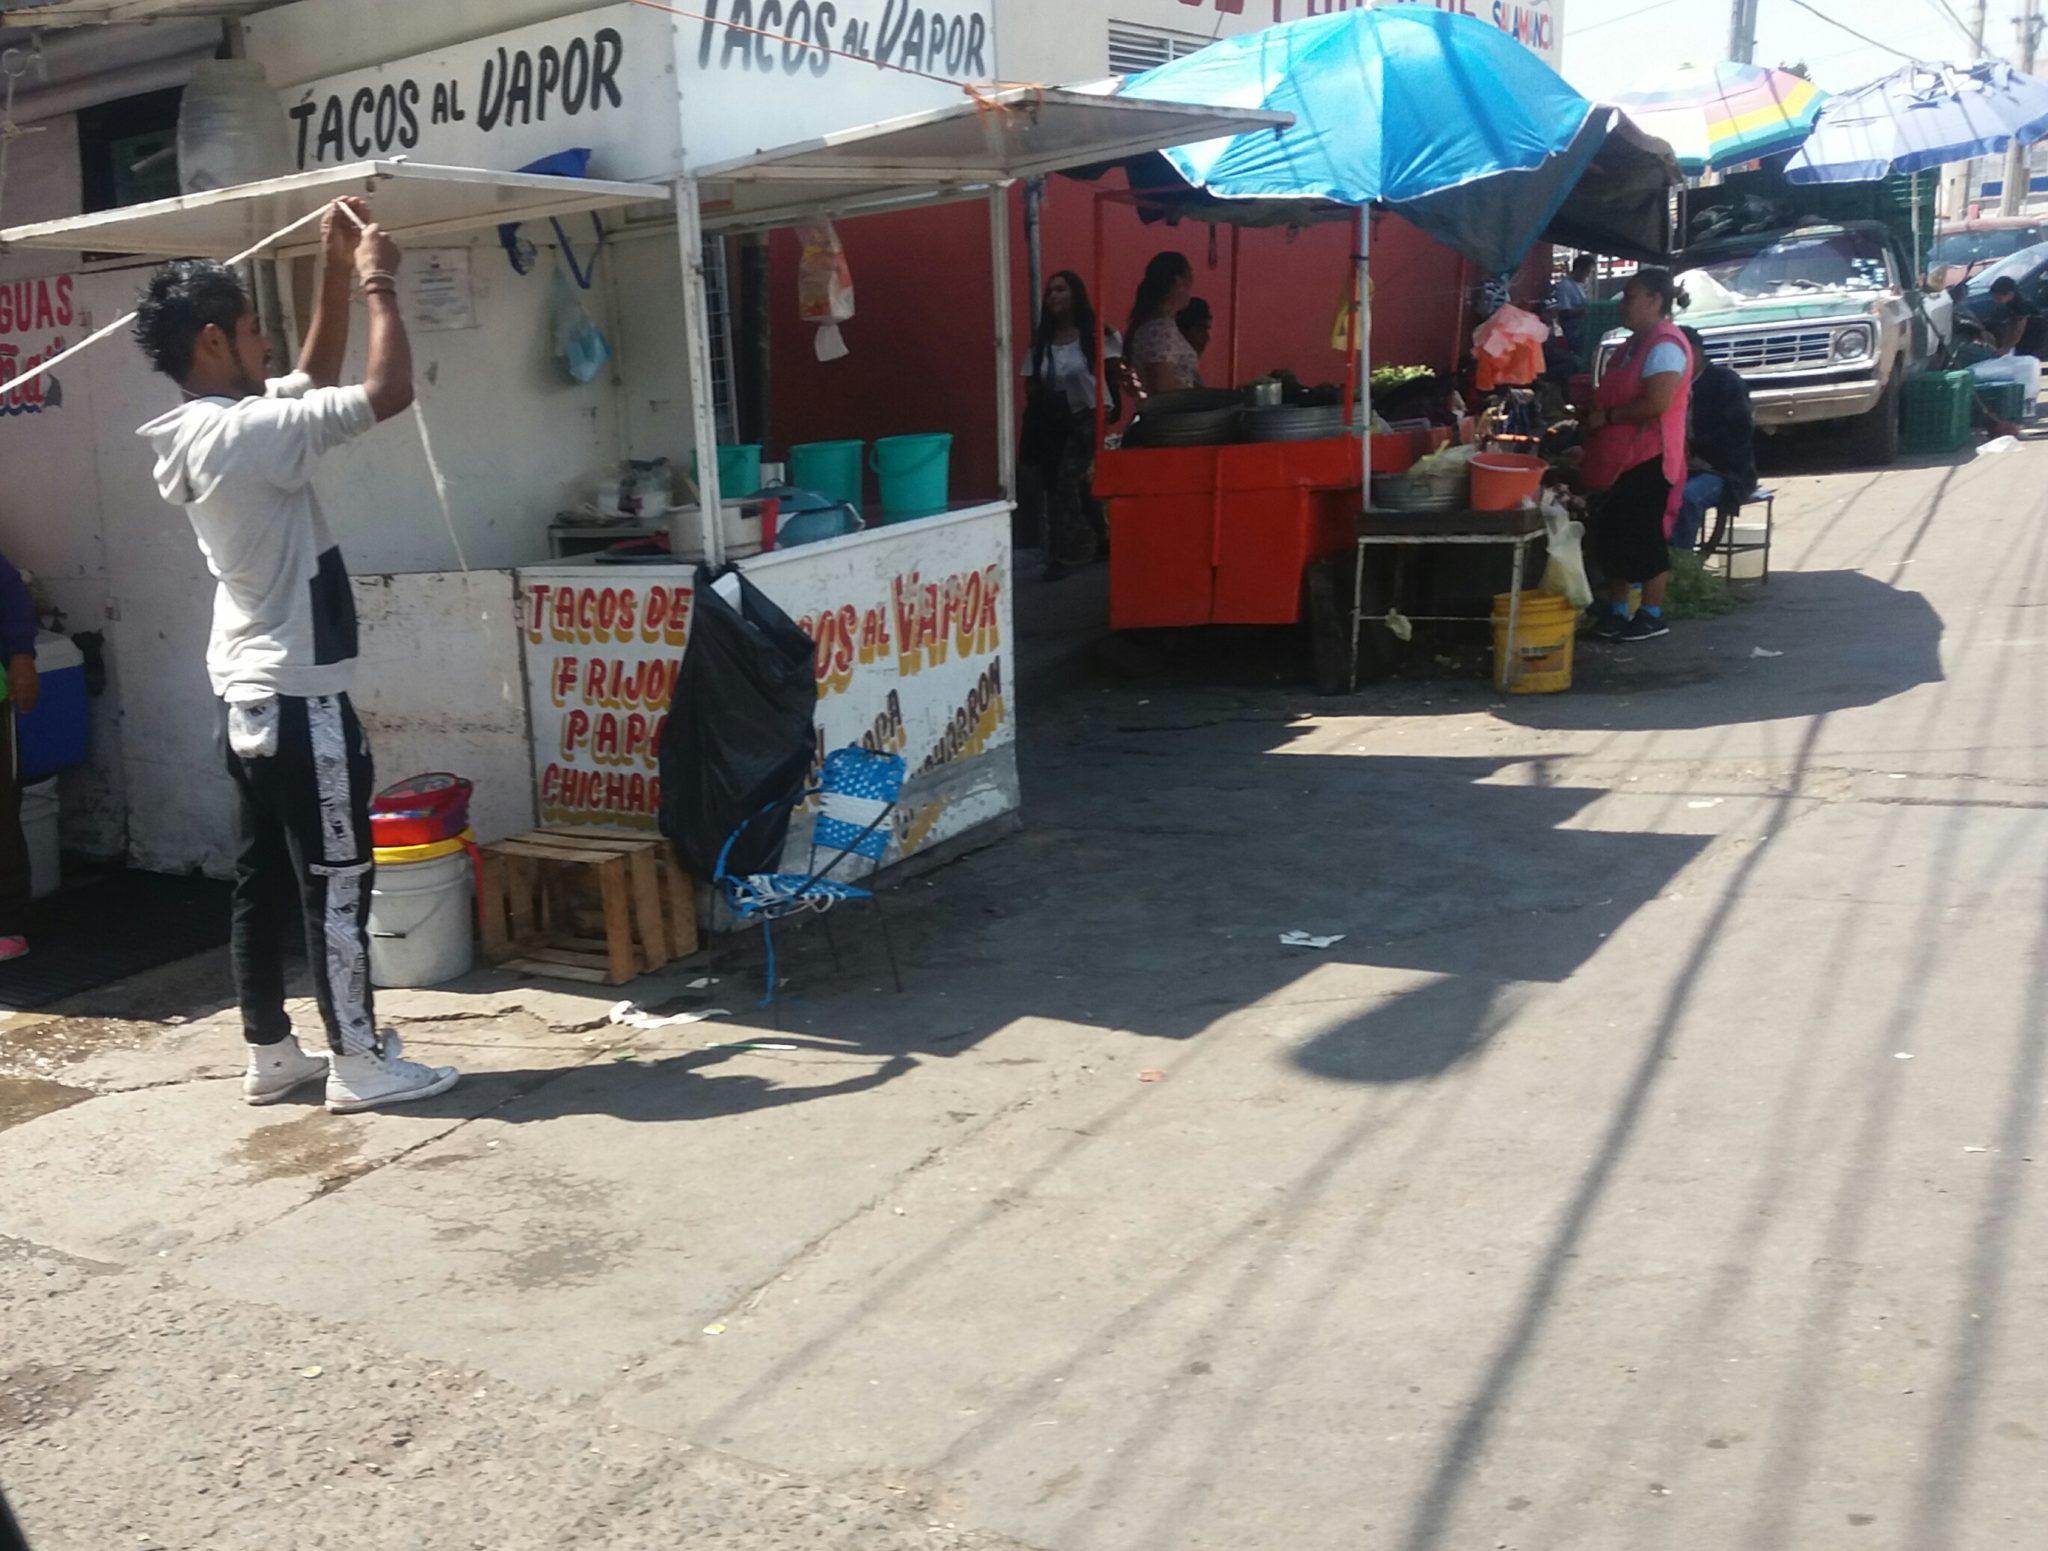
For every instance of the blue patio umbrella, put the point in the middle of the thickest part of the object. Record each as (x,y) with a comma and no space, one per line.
(1441,117)
(1919,117)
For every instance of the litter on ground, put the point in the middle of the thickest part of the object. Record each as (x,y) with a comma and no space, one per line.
(1308,940)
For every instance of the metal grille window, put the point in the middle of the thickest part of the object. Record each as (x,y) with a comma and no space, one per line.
(1134,48)
(724,373)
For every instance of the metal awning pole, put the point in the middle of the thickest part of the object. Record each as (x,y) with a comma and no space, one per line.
(1363,337)
(1236,296)
(1006,362)
(697,352)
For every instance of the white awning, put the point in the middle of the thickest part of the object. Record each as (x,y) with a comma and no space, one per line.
(80,13)
(953,152)
(409,200)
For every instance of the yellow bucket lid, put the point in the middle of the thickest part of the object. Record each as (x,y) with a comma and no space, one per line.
(398,856)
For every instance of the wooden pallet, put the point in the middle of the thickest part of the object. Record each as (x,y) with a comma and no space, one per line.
(595,905)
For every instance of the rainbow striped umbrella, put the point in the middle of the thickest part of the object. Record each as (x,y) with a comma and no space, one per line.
(1723,115)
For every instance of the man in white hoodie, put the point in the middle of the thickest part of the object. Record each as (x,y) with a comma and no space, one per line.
(239,456)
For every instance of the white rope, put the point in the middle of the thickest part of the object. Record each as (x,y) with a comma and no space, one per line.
(120,323)
(440,482)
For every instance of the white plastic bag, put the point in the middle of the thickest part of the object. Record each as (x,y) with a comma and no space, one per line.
(1564,573)
(1506,328)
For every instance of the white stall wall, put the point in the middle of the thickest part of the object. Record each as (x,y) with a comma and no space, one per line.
(44,183)
(159,608)
(645,275)
(438,688)
(50,520)
(299,43)
(515,439)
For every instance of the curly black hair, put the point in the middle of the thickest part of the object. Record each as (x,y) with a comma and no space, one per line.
(180,300)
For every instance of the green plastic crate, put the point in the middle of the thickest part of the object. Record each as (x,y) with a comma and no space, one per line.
(2007,400)
(1937,411)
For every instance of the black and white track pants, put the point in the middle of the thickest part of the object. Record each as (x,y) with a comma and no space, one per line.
(302,767)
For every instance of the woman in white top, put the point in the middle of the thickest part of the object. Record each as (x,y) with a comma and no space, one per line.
(1164,359)
(1059,419)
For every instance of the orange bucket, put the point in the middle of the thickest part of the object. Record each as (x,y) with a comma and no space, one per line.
(1502,481)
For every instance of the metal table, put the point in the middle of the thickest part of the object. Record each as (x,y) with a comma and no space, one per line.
(1404,530)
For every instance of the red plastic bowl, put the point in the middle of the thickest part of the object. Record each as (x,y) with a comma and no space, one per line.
(420,810)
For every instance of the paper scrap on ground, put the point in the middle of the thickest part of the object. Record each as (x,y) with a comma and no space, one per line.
(1710,802)
(1999,444)
(1151,1074)
(628,1016)
(750,1044)
(1764,651)
(1308,940)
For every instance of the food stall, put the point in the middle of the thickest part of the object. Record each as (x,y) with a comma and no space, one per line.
(1222,523)
(912,618)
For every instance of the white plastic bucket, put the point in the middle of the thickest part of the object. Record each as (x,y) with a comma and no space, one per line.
(420,922)
(1749,563)
(39,816)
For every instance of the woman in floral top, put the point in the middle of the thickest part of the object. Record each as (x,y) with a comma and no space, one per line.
(1160,353)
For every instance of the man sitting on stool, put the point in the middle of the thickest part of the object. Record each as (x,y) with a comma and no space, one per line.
(2019,334)
(1720,445)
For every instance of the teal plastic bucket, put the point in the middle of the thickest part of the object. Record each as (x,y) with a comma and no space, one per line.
(739,470)
(829,469)
(913,472)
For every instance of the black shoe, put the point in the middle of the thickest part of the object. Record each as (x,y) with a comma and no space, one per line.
(1644,627)
(1610,626)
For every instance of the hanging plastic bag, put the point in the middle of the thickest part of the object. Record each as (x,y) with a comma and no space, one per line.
(1509,345)
(824,288)
(578,341)
(1564,573)
(738,743)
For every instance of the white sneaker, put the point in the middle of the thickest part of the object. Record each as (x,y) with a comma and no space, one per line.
(278,1071)
(371,1081)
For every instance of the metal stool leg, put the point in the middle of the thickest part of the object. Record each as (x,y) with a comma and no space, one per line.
(888,945)
(1357,613)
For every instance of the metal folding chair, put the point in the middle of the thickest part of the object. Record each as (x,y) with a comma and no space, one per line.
(857,793)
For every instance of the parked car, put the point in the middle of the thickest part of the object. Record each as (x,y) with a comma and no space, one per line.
(1966,248)
(2028,269)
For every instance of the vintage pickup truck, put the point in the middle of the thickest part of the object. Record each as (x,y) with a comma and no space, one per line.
(1812,295)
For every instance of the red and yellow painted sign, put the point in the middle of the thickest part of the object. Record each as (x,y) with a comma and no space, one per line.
(912,628)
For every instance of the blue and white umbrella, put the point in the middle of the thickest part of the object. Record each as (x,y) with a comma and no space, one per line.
(1919,117)
(1444,118)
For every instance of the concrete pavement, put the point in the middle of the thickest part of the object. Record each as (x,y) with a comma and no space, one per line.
(1651,1164)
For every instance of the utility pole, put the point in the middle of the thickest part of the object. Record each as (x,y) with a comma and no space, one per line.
(2018,173)
(1742,32)
(1959,187)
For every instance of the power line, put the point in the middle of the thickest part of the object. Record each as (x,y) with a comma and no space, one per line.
(1845,27)
(1976,43)
(1609,21)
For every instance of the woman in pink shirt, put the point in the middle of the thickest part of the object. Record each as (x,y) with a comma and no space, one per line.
(1634,460)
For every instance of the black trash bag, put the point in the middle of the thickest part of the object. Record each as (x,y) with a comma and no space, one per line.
(740,733)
